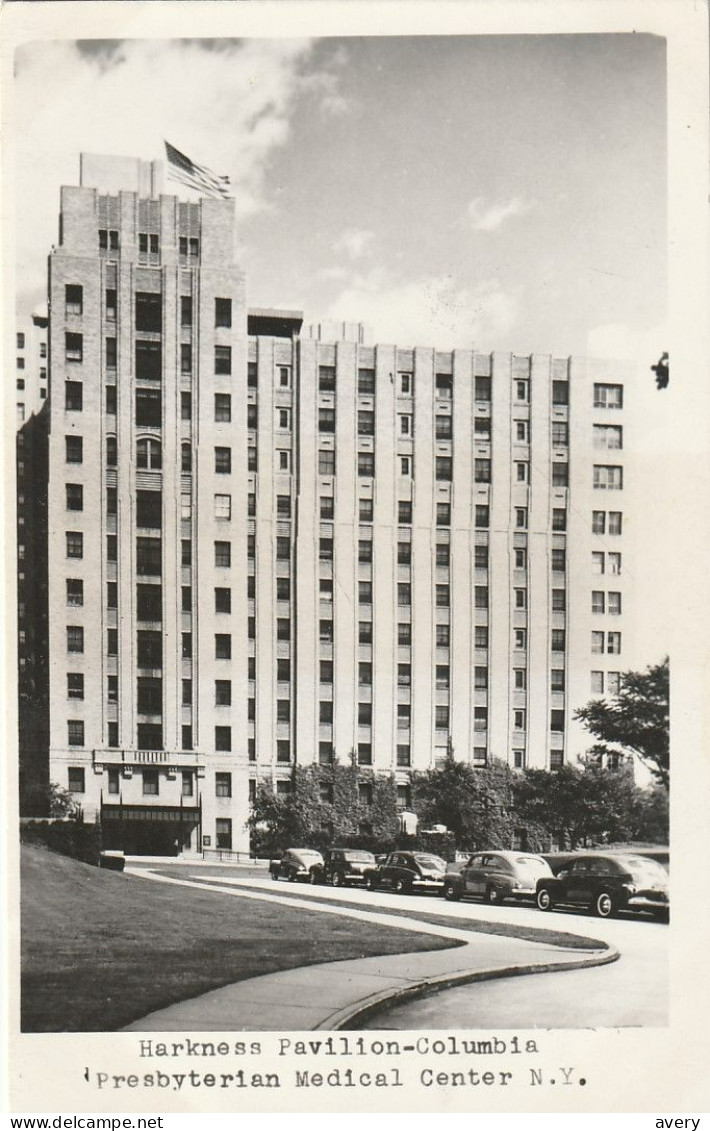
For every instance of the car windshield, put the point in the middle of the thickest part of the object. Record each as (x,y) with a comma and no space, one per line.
(434,862)
(360,857)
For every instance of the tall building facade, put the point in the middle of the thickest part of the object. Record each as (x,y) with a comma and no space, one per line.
(31,363)
(267,548)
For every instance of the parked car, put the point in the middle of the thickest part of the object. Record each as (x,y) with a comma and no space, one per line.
(605,882)
(295,864)
(497,876)
(407,871)
(343,866)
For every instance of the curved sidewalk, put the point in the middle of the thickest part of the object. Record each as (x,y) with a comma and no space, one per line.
(336,995)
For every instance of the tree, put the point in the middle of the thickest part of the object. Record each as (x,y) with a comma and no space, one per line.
(577,805)
(474,804)
(635,719)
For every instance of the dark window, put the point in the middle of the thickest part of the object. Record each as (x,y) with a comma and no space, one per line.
(223,600)
(366,464)
(444,466)
(75,774)
(149,360)
(442,635)
(75,638)
(150,695)
(223,360)
(150,649)
(223,646)
(185,406)
(75,497)
(110,304)
(223,741)
(186,745)
(559,474)
(185,358)
(365,422)
(444,427)
(223,781)
(75,544)
(75,591)
(559,519)
(223,553)
(111,451)
(482,388)
(223,692)
(111,354)
(185,458)
(223,829)
(73,396)
(365,632)
(149,311)
(111,400)
(326,378)
(482,471)
(364,551)
(186,599)
(366,382)
(149,603)
(252,375)
(186,310)
(404,634)
(74,298)
(148,454)
(187,645)
(223,461)
(74,347)
(112,642)
(112,594)
(326,420)
(560,392)
(222,408)
(223,312)
(148,556)
(404,512)
(443,514)
(149,407)
(283,506)
(111,548)
(74,449)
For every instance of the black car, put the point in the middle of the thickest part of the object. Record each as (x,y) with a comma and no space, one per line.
(343,866)
(605,883)
(408,871)
(295,864)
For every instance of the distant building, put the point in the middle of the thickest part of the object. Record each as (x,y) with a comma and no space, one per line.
(267,548)
(31,365)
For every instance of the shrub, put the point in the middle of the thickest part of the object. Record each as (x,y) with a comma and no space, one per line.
(69,838)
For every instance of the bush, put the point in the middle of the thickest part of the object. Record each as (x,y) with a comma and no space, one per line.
(69,838)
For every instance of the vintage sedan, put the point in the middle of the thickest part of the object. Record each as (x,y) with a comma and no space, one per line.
(497,876)
(343,866)
(295,864)
(408,871)
(605,883)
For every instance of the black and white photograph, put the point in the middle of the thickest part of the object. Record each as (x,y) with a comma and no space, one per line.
(344,517)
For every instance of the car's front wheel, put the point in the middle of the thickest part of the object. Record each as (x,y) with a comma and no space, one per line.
(400,887)
(451,893)
(604,905)
(372,883)
(494,894)
(544,900)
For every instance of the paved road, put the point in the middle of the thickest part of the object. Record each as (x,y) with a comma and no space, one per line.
(630,992)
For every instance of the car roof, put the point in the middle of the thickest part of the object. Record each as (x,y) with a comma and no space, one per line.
(507,853)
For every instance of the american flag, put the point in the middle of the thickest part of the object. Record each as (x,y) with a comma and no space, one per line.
(187,172)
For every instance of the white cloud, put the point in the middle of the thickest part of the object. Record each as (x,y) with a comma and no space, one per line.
(228,107)
(355,243)
(483,217)
(428,312)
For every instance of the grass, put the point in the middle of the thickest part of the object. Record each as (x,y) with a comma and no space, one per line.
(101,949)
(545,935)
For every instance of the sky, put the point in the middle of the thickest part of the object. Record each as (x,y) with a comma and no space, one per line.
(503,191)
(500,192)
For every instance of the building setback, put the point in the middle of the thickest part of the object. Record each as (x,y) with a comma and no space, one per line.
(268,548)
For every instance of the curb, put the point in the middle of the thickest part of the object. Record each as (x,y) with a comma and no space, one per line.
(358,1011)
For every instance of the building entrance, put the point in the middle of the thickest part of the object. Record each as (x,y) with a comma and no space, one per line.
(146,830)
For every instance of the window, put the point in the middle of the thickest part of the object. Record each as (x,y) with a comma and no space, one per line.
(441,716)
(73,299)
(325,672)
(520,637)
(608,396)
(364,714)
(482,517)
(148,509)
(223,360)
(482,428)
(405,466)
(608,437)
(614,563)
(284,376)
(75,638)
(614,604)
(559,601)
(326,378)
(283,588)
(404,594)
(223,741)
(405,383)
(148,407)
(223,461)
(364,633)
(149,603)
(223,646)
(364,550)
(613,682)
(443,598)
(444,385)
(187,645)
(326,420)
(74,347)
(557,721)
(185,358)
(187,598)
(443,426)
(560,474)
(366,382)
(74,449)
(520,557)
(186,310)
(75,685)
(522,390)
(598,643)
(223,692)
(111,548)
(480,718)
(597,683)
(74,497)
(365,422)
(75,737)
(20,341)
(223,507)
(222,408)
(325,631)
(326,461)
(186,553)
(558,640)
(521,472)
(223,312)
(365,508)
(480,678)
(482,388)
(75,591)
(148,453)
(325,711)
(252,375)
(443,634)
(558,560)
(404,512)
(283,420)
(442,553)
(151,781)
(364,592)
(111,595)
(112,642)
(75,544)
(557,679)
(150,695)
(597,601)
(613,643)
(404,675)
(442,677)
(560,392)
(149,360)
(75,774)
(149,556)
(403,716)
(597,562)
(223,826)
(405,424)
(283,548)
(559,519)
(404,634)
(482,470)
(519,719)
(560,434)
(366,464)
(185,406)
(481,596)
(608,477)
(110,353)
(598,522)
(521,598)
(444,466)
(521,518)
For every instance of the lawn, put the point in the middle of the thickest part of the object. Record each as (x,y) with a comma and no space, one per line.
(101,949)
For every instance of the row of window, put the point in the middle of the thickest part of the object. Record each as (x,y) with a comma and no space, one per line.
(149,243)
(148,356)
